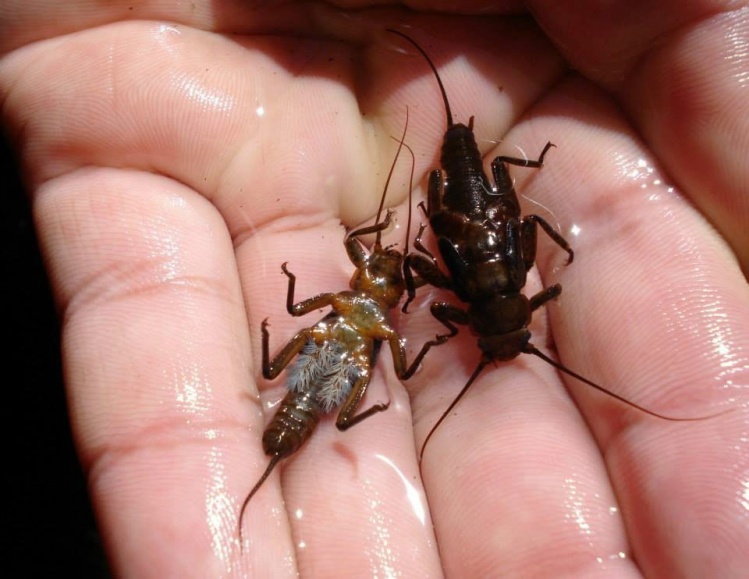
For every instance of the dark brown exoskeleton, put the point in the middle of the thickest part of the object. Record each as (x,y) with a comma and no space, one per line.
(336,356)
(488,248)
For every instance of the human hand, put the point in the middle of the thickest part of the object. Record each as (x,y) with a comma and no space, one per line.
(173,168)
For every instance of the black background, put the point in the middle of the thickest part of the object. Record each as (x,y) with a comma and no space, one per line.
(49,525)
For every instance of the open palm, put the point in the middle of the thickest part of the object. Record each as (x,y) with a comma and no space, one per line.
(178,153)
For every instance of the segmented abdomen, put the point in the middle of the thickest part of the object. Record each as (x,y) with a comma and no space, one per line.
(319,381)
(293,423)
(462,163)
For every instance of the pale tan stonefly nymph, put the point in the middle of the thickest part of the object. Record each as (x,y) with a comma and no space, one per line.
(336,356)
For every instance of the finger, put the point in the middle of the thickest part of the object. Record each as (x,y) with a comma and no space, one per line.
(514,479)
(680,71)
(28,22)
(363,483)
(207,112)
(653,308)
(157,361)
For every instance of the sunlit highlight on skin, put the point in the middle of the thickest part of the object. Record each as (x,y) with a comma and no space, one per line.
(642,171)
(189,388)
(219,509)
(413,494)
(208,99)
(575,504)
(738,54)
(163,250)
(378,551)
(731,361)
(163,32)
(619,555)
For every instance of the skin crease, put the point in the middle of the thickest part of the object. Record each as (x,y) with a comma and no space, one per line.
(177,153)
